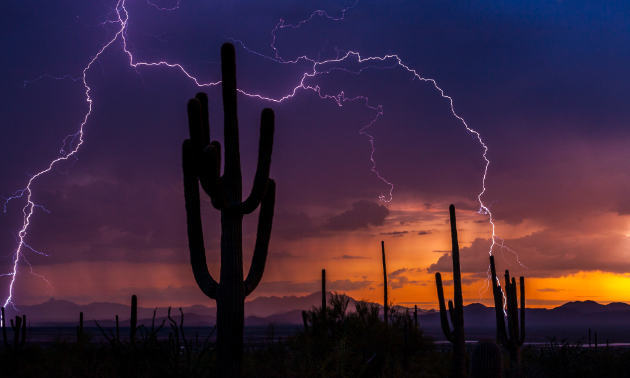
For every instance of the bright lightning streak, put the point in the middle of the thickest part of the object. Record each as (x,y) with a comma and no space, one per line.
(122,19)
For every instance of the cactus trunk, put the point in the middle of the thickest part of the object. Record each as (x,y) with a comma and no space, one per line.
(231,296)
(415,316)
(385,303)
(455,310)
(323,295)
(134,318)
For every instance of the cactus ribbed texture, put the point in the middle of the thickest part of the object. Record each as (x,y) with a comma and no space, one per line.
(486,360)
(385,303)
(134,318)
(513,338)
(455,310)
(202,165)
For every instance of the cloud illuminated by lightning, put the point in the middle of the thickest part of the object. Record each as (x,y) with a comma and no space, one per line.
(120,16)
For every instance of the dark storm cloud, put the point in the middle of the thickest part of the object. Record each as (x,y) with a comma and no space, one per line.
(395,234)
(362,214)
(311,287)
(350,257)
(545,254)
(550,290)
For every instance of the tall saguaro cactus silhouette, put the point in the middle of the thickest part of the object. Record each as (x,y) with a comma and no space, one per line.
(513,338)
(456,310)
(201,164)
(385,304)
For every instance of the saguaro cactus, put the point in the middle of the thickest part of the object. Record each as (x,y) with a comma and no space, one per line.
(133,321)
(385,304)
(415,316)
(455,310)
(512,339)
(20,324)
(324,295)
(80,329)
(201,165)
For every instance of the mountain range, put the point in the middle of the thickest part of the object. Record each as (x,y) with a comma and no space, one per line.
(571,320)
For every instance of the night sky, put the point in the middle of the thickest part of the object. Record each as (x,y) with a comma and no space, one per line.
(545,83)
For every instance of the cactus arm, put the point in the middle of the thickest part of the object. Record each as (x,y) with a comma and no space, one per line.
(498,306)
(205,119)
(204,161)
(206,283)
(522,339)
(443,319)
(232,179)
(514,312)
(453,314)
(265,221)
(215,185)
(196,132)
(217,146)
(265,148)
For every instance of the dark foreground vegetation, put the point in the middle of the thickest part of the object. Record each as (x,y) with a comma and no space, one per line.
(336,343)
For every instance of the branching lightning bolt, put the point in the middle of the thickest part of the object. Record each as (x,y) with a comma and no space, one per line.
(72,143)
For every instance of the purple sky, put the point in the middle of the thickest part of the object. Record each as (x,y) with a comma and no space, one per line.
(545,83)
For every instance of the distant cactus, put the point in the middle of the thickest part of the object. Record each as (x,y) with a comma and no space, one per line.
(513,338)
(202,165)
(385,303)
(456,310)
(323,314)
(415,316)
(80,329)
(486,360)
(133,321)
(19,325)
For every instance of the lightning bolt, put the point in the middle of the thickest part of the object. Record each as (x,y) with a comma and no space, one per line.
(72,143)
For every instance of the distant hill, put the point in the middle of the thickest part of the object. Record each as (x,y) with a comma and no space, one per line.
(590,307)
(571,320)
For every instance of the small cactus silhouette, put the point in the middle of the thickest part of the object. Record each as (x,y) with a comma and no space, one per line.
(385,303)
(133,321)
